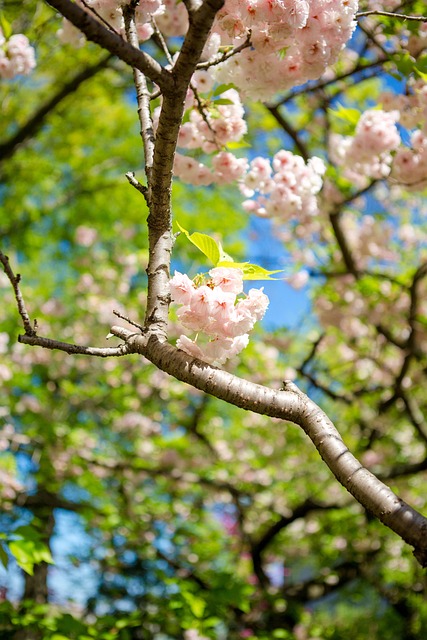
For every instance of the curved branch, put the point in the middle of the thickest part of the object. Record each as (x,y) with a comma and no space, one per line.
(115,44)
(268,536)
(292,405)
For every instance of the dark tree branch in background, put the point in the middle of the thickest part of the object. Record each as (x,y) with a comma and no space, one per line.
(30,128)
(411,343)
(312,88)
(302,510)
(115,44)
(30,330)
(286,126)
(415,415)
(342,242)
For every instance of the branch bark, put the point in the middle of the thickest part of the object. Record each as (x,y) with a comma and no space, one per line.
(115,44)
(159,220)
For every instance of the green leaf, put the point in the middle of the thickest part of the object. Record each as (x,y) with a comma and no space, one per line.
(204,243)
(223,101)
(27,531)
(421,64)
(404,62)
(250,271)
(241,144)
(196,604)
(23,555)
(421,74)
(5,26)
(347,114)
(223,255)
(221,88)
(4,558)
(28,552)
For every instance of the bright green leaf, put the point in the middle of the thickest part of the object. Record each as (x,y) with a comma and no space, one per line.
(250,271)
(5,26)
(347,114)
(222,88)
(196,604)
(4,558)
(223,101)
(204,243)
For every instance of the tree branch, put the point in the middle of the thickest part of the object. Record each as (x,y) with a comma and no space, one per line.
(268,536)
(143,100)
(274,110)
(292,405)
(74,349)
(400,16)
(159,220)
(30,330)
(115,44)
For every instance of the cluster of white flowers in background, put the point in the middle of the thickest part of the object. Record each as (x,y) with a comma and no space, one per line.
(292,41)
(284,188)
(16,56)
(222,321)
(368,152)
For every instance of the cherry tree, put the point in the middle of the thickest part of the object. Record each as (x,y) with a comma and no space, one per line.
(196,65)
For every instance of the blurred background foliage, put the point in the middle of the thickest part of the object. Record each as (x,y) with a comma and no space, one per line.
(168,513)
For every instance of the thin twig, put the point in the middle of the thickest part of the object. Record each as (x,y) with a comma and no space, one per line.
(143,100)
(128,320)
(95,31)
(74,349)
(389,14)
(15,280)
(99,17)
(138,186)
(222,57)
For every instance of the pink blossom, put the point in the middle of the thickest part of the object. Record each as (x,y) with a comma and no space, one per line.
(182,288)
(222,325)
(17,56)
(299,280)
(228,279)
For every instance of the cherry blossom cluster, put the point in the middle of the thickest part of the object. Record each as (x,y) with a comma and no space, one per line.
(222,321)
(377,151)
(409,167)
(285,188)
(209,129)
(368,152)
(411,105)
(410,164)
(292,41)
(16,56)
(369,239)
